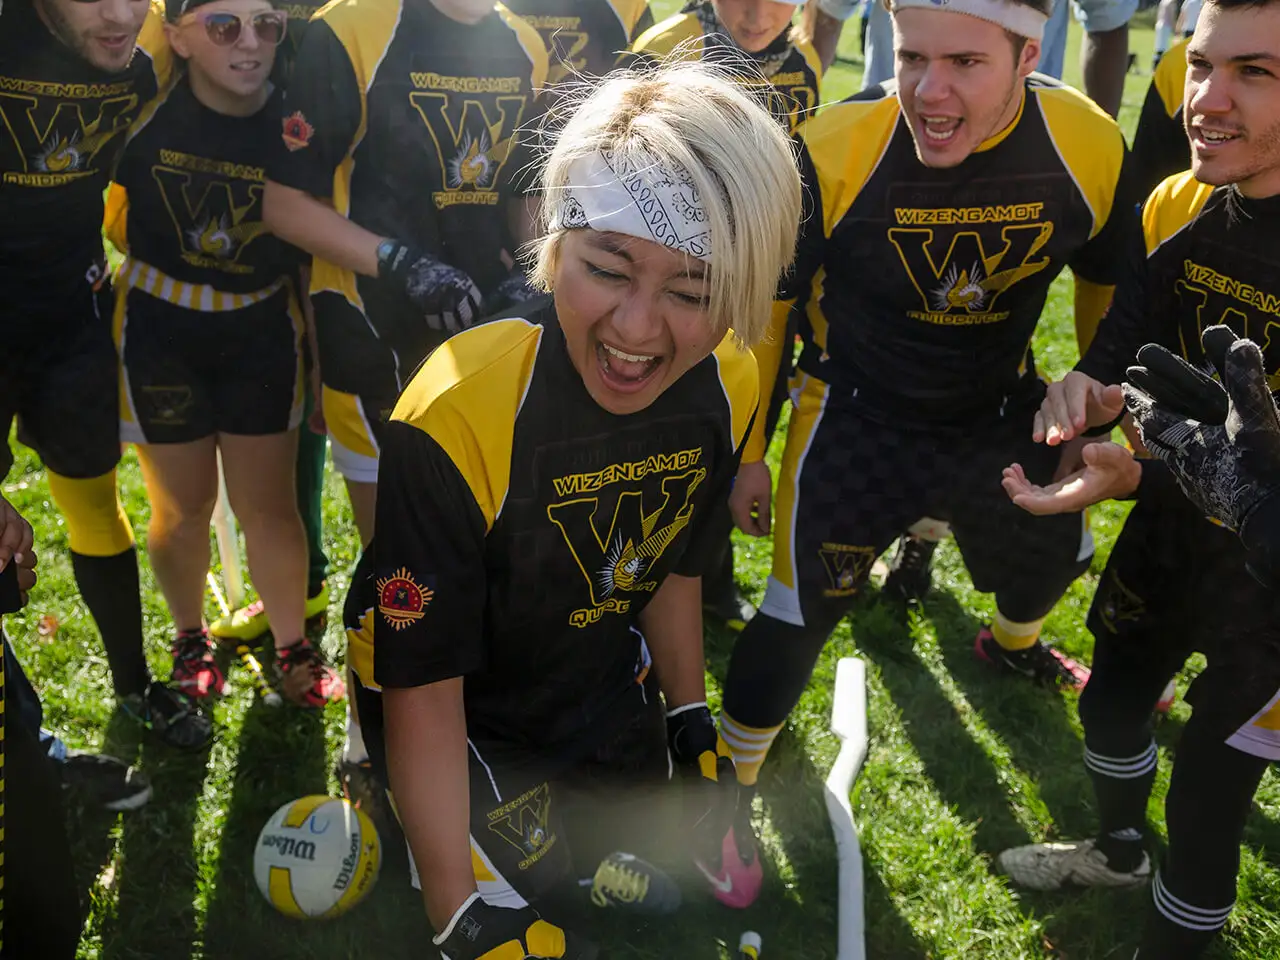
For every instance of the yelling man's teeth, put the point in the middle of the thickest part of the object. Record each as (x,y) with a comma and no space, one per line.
(941,128)
(1215,137)
(629,357)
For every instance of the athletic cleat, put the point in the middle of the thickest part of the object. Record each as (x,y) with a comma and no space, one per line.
(304,678)
(736,880)
(195,670)
(733,610)
(250,623)
(1039,662)
(170,715)
(629,883)
(1052,866)
(1168,698)
(362,790)
(911,572)
(97,780)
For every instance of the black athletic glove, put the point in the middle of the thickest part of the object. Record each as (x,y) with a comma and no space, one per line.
(479,931)
(709,783)
(1222,445)
(447,297)
(511,292)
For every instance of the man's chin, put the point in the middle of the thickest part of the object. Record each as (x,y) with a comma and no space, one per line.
(107,60)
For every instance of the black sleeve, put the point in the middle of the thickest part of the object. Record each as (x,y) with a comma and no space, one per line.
(1101,259)
(1160,147)
(321,114)
(714,523)
(811,243)
(428,563)
(1261,538)
(644,23)
(1127,324)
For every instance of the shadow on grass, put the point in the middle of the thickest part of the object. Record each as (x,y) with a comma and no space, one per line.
(157,874)
(1031,721)
(282,756)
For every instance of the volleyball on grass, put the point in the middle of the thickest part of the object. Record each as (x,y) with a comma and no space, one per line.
(316,858)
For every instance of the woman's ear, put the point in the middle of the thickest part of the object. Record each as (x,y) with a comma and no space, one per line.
(177,40)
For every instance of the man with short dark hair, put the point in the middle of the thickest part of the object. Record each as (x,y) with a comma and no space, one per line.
(1205,269)
(73,75)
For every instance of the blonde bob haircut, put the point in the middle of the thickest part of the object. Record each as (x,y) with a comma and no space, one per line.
(692,115)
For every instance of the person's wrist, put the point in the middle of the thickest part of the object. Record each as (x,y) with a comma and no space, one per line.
(390,254)
(445,911)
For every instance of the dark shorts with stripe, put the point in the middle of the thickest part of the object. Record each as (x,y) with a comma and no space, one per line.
(1175,584)
(849,485)
(59,378)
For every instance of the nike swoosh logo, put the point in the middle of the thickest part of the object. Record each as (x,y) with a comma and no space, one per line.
(1025,671)
(724,886)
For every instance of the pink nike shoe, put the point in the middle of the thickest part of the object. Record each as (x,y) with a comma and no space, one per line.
(738,881)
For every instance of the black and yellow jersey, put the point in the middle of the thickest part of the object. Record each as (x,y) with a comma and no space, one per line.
(791,74)
(923,286)
(522,528)
(62,125)
(1207,255)
(1160,147)
(187,197)
(585,37)
(409,122)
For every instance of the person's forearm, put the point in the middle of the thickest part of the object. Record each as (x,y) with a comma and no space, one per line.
(769,354)
(672,626)
(1091,302)
(826,32)
(426,740)
(314,226)
(1104,61)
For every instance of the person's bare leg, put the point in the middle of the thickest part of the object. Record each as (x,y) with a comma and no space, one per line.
(364,504)
(260,485)
(1104,61)
(182,485)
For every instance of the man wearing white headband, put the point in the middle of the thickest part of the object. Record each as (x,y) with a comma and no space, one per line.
(941,206)
(545,506)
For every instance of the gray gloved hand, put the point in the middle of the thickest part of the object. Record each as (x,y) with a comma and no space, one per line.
(1220,440)
(447,297)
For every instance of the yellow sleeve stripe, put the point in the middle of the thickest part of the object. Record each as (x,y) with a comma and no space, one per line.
(467,397)
(811,58)
(741,384)
(628,13)
(153,42)
(1089,144)
(1171,77)
(660,39)
(842,172)
(1171,208)
(531,43)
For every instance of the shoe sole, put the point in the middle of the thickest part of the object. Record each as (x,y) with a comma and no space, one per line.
(138,799)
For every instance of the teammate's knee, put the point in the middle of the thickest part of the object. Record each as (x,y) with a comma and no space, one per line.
(97,525)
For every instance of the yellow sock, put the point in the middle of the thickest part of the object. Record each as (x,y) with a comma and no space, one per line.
(1012,635)
(97,525)
(747,745)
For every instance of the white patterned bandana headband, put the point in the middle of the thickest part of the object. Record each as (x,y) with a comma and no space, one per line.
(1015,17)
(637,195)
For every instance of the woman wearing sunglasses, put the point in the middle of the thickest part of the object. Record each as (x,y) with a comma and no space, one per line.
(209,333)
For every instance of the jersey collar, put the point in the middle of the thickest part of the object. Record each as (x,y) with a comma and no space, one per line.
(999,138)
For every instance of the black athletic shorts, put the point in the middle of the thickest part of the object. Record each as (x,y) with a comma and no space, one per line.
(190,373)
(59,378)
(849,485)
(1176,583)
(538,825)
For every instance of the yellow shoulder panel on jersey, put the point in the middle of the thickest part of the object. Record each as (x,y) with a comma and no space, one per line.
(740,379)
(628,12)
(1089,143)
(115,217)
(1171,76)
(152,42)
(846,142)
(467,397)
(660,39)
(532,43)
(1172,206)
(811,58)
(365,29)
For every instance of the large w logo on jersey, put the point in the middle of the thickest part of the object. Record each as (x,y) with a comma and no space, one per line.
(1210,297)
(215,216)
(62,137)
(620,559)
(967,280)
(473,140)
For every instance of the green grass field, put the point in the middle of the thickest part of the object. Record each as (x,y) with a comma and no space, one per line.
(961,765)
